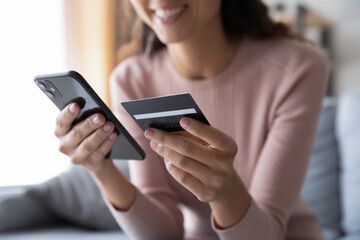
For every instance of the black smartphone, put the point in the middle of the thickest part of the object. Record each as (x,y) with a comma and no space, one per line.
(65,88)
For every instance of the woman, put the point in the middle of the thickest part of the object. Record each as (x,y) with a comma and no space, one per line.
(239,178)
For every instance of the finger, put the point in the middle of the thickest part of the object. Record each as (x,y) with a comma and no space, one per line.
(93,143)
(104,148)
(188,181)
(182,145)
(209,134)
(65,118)
(192,137)
(107,145)
(191,166)
(83,129)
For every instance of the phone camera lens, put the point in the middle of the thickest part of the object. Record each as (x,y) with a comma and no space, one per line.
(49,94)
(41,85)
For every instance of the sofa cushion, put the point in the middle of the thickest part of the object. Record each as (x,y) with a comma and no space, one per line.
(321,188)
(348,131)
(63,232)
(19,210)
(353,237)
(72,196)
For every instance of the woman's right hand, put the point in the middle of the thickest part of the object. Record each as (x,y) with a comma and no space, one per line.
(88,142)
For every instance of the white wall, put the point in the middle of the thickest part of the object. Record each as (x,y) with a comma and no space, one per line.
(345,17)
(32,41)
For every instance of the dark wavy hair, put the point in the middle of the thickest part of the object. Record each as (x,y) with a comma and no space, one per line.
(240,18)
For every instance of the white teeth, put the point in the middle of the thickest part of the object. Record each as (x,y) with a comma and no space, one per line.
(168,13)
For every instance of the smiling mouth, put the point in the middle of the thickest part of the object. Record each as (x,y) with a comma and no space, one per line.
(169,13)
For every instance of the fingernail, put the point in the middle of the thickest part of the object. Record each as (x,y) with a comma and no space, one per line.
(154,145)
(96,120)
(72,108)
(185,122)
(107,127)
(149,134)
(112,136)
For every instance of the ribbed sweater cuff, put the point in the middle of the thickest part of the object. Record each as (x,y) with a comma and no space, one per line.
(247,228)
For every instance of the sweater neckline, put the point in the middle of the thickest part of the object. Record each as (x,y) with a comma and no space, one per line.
(219,78)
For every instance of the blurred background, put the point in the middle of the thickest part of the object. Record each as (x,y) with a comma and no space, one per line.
(92,37)
(334,26)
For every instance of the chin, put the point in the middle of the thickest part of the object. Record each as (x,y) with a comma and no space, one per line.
(171,39)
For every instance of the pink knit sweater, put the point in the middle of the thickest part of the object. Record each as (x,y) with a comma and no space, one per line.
(268,100)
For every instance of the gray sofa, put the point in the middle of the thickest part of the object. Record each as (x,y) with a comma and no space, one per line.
(70,206)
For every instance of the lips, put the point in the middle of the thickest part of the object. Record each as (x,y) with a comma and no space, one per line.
(169,15)
(169,12)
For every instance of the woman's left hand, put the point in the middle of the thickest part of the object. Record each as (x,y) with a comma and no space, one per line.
(201,159)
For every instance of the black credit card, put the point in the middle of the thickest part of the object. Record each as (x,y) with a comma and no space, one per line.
(164,112)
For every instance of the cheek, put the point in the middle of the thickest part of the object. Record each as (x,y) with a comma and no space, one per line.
(208,12)
(204,15)
(141,8)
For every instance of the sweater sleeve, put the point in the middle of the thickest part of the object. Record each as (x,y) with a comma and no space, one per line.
(154,213)
(283,160)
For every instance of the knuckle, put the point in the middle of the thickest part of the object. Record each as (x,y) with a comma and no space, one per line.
(75,160)
(103,150)
(183,178)
(216,182)
(76,132)
(56,133)
(234,148)
(201,198)
(225,167)
(160,138)
(221,140)
(101,153)
(93,158)
(87,147)
(185,147)
(163,151)
(97,135)
(201,131)
(59,121)
(97,157)
(211,195)
(207,196)
(62,148)
(180,160)
(101,134)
